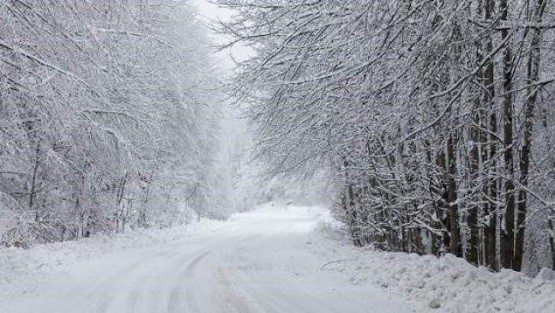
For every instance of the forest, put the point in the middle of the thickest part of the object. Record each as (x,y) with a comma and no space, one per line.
(433,119)
(330,156)
(428,122)
(109,118)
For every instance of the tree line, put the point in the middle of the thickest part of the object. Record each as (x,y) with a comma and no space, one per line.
(434,117)
(108,118)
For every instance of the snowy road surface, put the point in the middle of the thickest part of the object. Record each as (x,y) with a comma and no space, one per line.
(256,262)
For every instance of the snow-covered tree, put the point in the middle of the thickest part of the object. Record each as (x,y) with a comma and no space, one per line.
(427,111)
(108,117)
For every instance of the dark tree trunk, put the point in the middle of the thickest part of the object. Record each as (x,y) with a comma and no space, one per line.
(34,178)
(490,228)
(507,234)
(455,246)
(552,242)
(472,215)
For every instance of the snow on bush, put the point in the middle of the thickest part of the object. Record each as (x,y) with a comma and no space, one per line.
(446,284)
(331,228)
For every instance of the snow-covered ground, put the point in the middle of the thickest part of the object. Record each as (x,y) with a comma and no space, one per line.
(447,284)
(24,272)
(276,259)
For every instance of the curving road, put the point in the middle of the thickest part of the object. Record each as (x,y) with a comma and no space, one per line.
(256,262)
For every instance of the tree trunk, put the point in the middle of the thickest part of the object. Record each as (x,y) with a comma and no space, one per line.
(490,228)
(474,166)
(119,202)
(552,242)
(36,165)
(507,234)
(455,246)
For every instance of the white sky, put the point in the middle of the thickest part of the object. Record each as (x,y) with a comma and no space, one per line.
(210,12)
(232,125)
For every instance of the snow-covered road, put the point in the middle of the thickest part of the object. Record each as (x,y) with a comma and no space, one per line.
(256,262)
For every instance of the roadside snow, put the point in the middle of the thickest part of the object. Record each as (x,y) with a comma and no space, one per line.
(255,262)
(21,270)
(275,259)
(446,284)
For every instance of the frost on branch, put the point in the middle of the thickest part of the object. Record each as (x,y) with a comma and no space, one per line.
(108,118)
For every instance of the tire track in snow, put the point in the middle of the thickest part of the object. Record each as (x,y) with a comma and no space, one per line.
(175,301)
(102,291)
(230,300)
(250,265)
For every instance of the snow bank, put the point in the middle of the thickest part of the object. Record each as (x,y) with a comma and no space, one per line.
(446,284)
(21,269)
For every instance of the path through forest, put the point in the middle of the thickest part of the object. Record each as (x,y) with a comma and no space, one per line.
(256,262)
